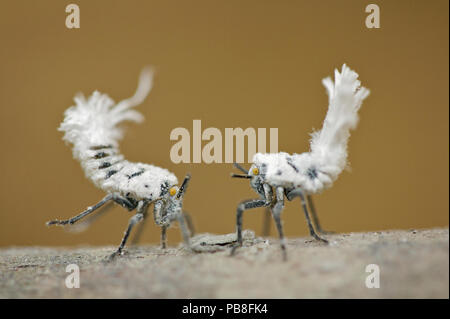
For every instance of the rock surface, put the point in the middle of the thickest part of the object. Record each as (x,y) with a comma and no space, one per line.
(412,264)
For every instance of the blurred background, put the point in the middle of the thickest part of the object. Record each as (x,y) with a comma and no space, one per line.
(230,64)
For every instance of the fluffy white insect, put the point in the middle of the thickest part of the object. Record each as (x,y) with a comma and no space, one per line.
(311,172)
(92,127)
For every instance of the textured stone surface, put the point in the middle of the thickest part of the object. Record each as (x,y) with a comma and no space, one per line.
(413,264)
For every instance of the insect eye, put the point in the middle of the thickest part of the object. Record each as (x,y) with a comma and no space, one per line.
(173,191)
(255,171)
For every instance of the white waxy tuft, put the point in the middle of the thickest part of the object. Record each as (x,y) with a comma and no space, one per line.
(94,121)
(93,127)
(319,168)
(345,96)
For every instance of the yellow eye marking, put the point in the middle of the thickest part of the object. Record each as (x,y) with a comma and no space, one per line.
(173,191)
(255,171)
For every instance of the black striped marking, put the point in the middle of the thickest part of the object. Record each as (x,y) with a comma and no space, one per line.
(104,165)
(311,172)
(100,147)
(289,161)
(110,173)
(101,155)
(136,174)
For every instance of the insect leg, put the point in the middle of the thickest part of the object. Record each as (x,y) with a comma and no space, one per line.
(140,228)
(142,207)
(88,211)
(157,211)
(184,230)
(276,212)
(189,223)
(298,192)
(163,236)
(125,202)
(245,205)
(266,222)
(315,217)
(89,220)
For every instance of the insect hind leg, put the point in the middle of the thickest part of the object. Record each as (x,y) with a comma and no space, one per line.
(88,211)
(276,213)
(298,192)
(125,202)
(315,217)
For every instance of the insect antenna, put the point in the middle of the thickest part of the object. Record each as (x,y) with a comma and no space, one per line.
(241,176)
(184,185)
(239,167)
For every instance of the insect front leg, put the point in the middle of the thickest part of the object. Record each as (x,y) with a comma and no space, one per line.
(297,192)
(157,212)
(189,223)
(141,212)
(249,204)
(163,237)
(157,216)
(245,205)
(141,226)
(187,229)
(276,212)
(184,230)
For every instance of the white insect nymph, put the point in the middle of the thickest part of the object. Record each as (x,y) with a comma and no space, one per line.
(92,127)
(301,175)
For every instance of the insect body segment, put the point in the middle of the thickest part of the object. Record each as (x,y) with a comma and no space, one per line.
(92,127)
(290,171)
(275,176)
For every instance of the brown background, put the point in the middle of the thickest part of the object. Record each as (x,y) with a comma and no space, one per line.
(229,64)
